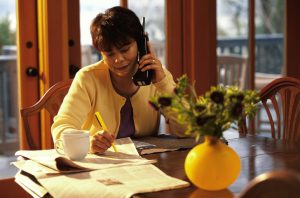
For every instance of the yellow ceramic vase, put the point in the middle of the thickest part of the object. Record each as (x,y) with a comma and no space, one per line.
(212,165)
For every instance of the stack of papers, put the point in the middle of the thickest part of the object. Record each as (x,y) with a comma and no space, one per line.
(45,173)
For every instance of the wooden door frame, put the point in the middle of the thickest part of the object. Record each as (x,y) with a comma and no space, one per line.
(27,45)
(191,41)
(51,29)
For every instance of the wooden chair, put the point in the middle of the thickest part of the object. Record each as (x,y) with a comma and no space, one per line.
(275,184)
(50,101)
(232,70)
(283,97)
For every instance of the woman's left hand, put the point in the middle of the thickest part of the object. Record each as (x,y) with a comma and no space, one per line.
(149,61)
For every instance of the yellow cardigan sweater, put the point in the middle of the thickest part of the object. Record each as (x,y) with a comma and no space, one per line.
(93,91)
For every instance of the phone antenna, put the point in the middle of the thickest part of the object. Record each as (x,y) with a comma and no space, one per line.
(143,24)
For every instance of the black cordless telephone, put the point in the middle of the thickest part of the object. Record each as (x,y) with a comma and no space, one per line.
(142,78)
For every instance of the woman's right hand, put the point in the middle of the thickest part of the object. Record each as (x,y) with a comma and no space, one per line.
(101,141)
(150,62)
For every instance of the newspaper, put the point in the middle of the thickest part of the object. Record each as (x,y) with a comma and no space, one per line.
(31,185)
(126,155)
(118,182)
(122,174)
(163,143)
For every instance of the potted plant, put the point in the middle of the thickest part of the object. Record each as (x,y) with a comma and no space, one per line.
(211,165)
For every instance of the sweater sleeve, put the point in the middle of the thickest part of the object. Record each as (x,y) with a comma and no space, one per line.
(167,84)
(75,107)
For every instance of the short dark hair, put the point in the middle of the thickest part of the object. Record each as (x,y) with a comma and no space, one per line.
(117,27)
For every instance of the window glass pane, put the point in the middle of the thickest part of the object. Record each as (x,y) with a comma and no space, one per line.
(269,28)
(269,24)
(154,13)
(9,111)
(88,11)
(232,20)
(232,49)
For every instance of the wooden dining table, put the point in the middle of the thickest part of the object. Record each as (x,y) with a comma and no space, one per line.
(258,155)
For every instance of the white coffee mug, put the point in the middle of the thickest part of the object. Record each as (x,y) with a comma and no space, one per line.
(74,144)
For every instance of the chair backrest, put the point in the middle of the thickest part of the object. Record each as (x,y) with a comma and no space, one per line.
(275,184)
(232,70)
(50,101)
(281,101)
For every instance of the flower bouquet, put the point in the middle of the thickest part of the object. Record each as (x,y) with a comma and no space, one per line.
(209,114)
(211,165)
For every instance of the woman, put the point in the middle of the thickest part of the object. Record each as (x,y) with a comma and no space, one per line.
(107,87)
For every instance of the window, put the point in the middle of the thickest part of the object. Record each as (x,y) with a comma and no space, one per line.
(88,11)
(232,28)
(154,13)
(8,89)
(232,38)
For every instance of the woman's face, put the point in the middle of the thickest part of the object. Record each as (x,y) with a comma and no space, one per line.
(123,61)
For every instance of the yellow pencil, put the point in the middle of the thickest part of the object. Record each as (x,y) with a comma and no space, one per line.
(102,124)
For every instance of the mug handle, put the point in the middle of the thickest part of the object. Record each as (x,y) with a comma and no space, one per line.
(59,147)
